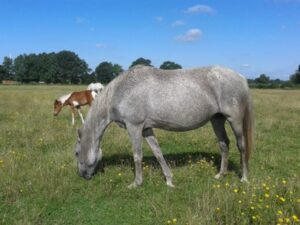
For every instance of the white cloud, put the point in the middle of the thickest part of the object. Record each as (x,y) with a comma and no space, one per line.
(159,19)
(190,36)
(80,20)
(196,9)
(246,65)
(100,45)
(177,23)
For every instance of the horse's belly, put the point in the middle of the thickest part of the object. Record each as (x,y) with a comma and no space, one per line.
(183,119)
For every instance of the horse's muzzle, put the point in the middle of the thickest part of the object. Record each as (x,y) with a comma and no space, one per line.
(85,175)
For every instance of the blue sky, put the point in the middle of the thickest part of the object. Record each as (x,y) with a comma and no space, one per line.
(252,37)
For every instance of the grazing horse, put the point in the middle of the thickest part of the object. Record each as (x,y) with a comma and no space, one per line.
(97,87)
(143,98)
(74,100)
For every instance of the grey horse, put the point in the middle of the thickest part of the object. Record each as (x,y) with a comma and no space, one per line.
(143,98)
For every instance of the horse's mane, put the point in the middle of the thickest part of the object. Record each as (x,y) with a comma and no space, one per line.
(64,98)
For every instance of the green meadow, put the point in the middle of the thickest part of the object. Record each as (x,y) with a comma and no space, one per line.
(39,182)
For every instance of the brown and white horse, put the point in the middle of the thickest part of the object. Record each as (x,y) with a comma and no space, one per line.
(74,100)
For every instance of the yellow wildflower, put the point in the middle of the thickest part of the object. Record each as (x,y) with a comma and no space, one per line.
(119,174)
(267,195)
(287,220)
(279,212)
(280,220)
(283,181)
(236,190)
(295,218)
(218,209)
(174,220)
(282,199)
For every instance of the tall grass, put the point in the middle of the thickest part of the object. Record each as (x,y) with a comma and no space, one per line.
(39,183)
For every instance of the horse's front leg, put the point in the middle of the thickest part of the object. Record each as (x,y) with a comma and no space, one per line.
(135,133)
(153,143)
(73,115)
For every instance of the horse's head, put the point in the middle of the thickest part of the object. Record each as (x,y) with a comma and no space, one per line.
(88,155)
(57,107)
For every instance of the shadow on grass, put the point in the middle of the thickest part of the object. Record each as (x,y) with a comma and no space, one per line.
(174,160)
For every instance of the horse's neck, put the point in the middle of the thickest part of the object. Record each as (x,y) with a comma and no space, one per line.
(97,118)
(64,98)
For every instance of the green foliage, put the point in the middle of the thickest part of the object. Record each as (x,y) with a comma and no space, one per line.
(61,67)
(169,65)
(106,71)
(70,67)
(264,82)
(262,79)
(2,73)
(141,61)
(7,69)
(295,78)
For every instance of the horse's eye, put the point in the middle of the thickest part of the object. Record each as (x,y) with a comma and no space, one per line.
(76,154)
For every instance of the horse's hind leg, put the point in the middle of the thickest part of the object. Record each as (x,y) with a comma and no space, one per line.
(218,122)
(152,142)
(135,133)
(237,127)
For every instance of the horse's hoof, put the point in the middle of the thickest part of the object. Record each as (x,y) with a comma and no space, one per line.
(170,184)
(219,176)
(244,180)
(133,185)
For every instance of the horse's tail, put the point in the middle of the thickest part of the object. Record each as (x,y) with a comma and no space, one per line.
(248,127)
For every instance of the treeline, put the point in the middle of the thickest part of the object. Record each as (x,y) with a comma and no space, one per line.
(65,67)
(264,81)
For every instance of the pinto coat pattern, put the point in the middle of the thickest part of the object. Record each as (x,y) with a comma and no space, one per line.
(143,98)
(75,100)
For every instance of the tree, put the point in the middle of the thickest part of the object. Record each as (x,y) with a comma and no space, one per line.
(89,78)
(48,68)
(295,78)
(262,79)
(7,69)
(2,73)
(25,67)
(169,65)
(70,67)
(141,61)
(106,71)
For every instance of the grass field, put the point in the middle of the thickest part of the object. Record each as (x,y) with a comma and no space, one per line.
(39,183)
